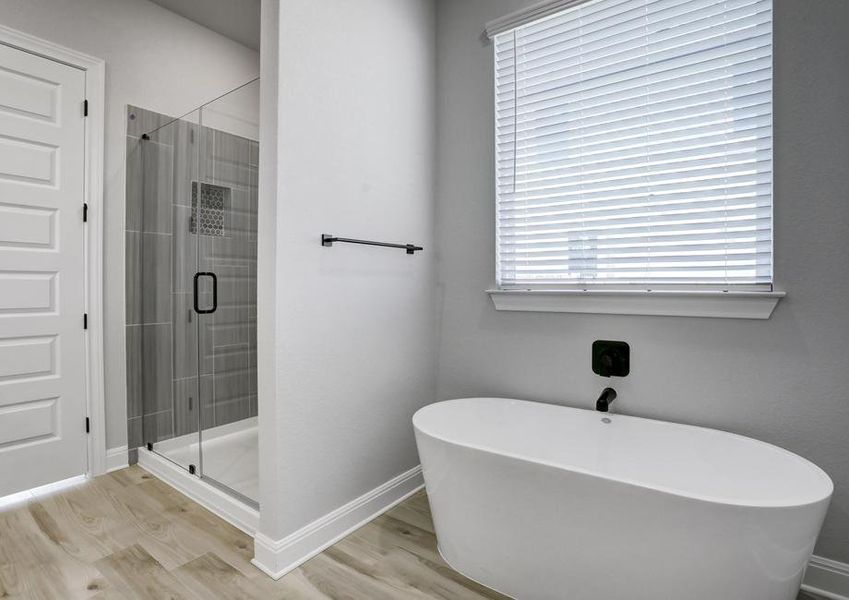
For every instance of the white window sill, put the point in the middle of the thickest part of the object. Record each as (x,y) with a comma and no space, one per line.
(724,305)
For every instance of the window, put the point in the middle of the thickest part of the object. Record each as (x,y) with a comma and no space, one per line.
(634,147)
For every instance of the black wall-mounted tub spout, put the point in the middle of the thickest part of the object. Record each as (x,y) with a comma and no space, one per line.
(608,395)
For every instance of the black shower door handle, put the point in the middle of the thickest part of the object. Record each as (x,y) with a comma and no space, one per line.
(198,309)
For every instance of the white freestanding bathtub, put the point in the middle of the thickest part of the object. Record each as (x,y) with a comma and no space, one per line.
(547,502)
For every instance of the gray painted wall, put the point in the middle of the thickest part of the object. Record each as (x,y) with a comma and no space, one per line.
(354,343)
(785,380)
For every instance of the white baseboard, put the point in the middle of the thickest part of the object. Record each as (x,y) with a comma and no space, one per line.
(827,578)
(278,557)
(224,505)
(117,458)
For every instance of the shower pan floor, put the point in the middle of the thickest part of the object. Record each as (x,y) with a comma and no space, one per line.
(230,455)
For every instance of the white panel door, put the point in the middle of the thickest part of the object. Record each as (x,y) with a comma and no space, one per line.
(42,342)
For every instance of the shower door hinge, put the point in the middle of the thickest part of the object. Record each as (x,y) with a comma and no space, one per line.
(87,425)
(85,108)
(85,320)
(192,469)
(85,212)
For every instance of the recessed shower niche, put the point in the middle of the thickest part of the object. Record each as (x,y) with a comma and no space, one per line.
(208,216)
(191,235)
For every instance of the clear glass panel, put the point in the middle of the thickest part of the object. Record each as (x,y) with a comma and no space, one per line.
(192,287)
(226,227)
(169,260)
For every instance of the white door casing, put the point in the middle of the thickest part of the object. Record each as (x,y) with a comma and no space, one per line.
(42,271)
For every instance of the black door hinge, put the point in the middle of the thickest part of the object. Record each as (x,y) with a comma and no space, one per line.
(85,212)
(192,469)
(85,108)
(87,425)
(85,320)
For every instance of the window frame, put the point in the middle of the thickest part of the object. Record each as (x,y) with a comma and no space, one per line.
(748,301)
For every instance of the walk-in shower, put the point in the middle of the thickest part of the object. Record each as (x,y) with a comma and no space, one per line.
(191,249)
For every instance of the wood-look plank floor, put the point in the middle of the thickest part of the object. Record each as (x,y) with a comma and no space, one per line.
(127,535)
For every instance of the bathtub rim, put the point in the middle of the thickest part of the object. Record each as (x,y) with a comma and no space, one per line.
(827,481)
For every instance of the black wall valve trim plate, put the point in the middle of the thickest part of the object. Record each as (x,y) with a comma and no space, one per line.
(611,359)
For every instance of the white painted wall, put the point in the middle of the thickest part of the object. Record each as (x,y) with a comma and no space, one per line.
(785,380)
(355,350)
(237,112)
(237,20)
(271,408)
(156,60)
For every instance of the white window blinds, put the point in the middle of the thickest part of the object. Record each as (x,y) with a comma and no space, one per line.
(634,146)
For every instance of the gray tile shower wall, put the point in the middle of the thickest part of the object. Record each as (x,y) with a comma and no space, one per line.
(169,347)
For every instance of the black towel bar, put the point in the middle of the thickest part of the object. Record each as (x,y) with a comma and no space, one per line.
(327,240)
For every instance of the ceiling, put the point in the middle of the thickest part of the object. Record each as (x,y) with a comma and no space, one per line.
(235,19)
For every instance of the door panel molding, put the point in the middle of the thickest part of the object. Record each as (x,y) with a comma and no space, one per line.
(95,93)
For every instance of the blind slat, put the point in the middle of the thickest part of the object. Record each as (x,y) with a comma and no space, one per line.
(642,241)
(612,153)
(672,40)
(675,27)
(739,184)
(713,249)
(551,156)
(681,127)
(634,230)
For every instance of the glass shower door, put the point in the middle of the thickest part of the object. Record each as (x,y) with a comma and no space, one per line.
(191,288)
(226,203)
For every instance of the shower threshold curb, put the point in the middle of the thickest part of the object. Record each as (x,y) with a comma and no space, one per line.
(235,512)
